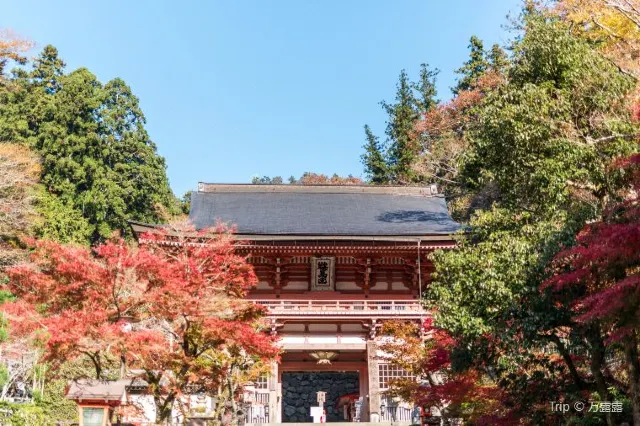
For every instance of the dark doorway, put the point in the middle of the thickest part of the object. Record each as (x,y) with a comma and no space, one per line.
(299,393)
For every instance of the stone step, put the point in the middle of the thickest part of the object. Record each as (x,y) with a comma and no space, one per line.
(334,424)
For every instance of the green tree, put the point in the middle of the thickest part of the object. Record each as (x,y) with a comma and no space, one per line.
(497,59)
(99,165)
(402,148)
(266,180)
(546,139)
(48,68)
(544,142)
(473,68)
(185,202)
(393,162)
(426,90)
(373,159)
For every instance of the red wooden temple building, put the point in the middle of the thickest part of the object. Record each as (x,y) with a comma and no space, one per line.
(334,263)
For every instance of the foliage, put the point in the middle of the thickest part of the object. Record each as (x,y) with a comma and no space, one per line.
(98,162)
(375,165)
(53,400)
(474,68)
(12,48)
(425,352)
(169,311)
(310,178)
(599,279)
(612,25)
(539,144)
(19,173)
(474,285)
(443,135)
(26,415)
(392,162)
(426,139)
(546,138)
(266,180)
(61,221)
(185,202)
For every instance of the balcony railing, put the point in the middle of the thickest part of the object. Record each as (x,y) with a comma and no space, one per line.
(371,308)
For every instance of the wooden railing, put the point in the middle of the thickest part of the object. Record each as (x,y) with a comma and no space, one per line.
(343,307)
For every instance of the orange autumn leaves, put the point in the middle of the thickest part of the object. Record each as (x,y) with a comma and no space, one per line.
(160,307)
(12,48)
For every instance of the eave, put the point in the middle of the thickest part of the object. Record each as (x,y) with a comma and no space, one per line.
(315,243)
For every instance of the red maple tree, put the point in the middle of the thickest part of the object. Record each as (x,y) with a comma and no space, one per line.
(600,275)
(170,312)
(425,354)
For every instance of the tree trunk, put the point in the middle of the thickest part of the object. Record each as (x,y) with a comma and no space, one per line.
(164,408)
(234,407)
(596,365)
(566,356)
(123,366)
(633,370)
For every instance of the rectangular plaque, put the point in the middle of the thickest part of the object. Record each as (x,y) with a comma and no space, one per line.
(322,273)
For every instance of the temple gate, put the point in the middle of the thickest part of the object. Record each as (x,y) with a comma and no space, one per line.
(334,263)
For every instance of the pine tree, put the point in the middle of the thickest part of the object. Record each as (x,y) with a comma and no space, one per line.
(475,66)
(394,162)
(99,165)
(134,173)
(402,116)
(497,59)
(373,159)
(426,88)
(48,68)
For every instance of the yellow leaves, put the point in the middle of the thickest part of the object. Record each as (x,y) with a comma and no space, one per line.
(23,158)
(603,20)
(19,173)
(613,24)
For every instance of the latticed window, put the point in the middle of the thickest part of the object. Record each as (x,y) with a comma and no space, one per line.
(388,372)
(262,382)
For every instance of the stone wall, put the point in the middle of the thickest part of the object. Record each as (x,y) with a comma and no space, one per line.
(299,393)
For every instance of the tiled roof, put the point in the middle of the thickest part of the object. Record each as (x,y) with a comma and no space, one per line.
(323,210)
(98,390)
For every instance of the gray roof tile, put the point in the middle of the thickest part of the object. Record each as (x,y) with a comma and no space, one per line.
(296,211)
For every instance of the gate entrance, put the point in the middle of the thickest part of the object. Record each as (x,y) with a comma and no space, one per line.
(299,393)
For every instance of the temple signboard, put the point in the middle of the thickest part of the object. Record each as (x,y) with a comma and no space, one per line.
(323,273)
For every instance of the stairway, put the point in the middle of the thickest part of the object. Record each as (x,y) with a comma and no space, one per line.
(336,424)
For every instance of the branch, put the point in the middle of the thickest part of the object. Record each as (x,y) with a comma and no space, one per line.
(627,13)
(592,141)
(587,187)
(566,356)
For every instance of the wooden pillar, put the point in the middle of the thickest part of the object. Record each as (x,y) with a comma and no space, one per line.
(364,391)
(374,382)
(274,395)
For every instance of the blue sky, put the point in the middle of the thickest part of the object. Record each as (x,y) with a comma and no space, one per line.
(233,89)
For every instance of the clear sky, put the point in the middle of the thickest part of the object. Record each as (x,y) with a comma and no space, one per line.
(233,89)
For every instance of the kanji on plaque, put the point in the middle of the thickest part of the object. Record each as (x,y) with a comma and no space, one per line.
(322,269)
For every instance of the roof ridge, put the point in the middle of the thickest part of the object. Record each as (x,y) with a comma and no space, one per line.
(429,190)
